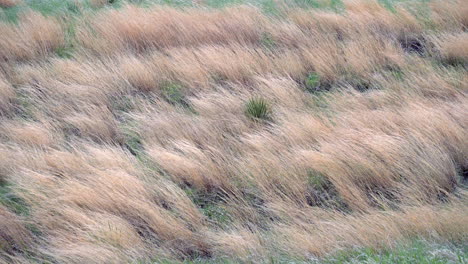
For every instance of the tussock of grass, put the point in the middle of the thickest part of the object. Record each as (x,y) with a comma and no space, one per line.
(258,109)
(277,131)
(34,36)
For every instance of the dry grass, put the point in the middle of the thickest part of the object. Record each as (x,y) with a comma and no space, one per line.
(13,234)
(138,148)
(130,28)
(455,49)
(9,3)
(6,95)
(34,36)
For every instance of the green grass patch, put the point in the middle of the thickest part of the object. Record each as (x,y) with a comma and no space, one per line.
(211,205)
(258,109)
(312,82)
(23,105)
(397,74)
(173,93)
(317,180)
(217,214)
(414,252)
(122,104)
(12,201)
(334,5)
(322,192)
(267,41)
(309,3)
(337,5)
(53,7)
(388,4)
(10,14)
(417,251)
(360,83)
(71,7)
(222,3)
(132,140)
(269,7)
(66,51)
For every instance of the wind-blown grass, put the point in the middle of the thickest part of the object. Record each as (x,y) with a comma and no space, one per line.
(129,131)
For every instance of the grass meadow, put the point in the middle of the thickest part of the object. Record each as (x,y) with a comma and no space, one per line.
(233,131)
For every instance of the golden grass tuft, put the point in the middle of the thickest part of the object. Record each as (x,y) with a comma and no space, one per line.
(138,148)
(131,28)
(34,36)
(456,49)
(32,134)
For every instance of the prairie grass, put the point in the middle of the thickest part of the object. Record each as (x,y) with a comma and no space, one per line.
(130,133)
(9,3)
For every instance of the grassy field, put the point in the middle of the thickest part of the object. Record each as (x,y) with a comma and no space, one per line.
(233,131)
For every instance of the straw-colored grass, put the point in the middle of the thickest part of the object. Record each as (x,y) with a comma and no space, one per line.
(203,133)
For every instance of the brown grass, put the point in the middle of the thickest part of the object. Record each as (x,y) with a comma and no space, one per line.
(9,3)
(34,36)
(455,49)
(6,95)
(13,233)
(131,28)
(138,147)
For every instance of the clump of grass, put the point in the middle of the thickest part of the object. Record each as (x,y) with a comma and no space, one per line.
(312,82)
(318,180)
(132,141)
(23,107)
(64,52)
(359,83)
(379,160)
(122,104)
(173,93)
(397,74)
(258,109)
(33,36)
(217,214)
(322,192)
(10,200)
(267,41)
(211,206)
